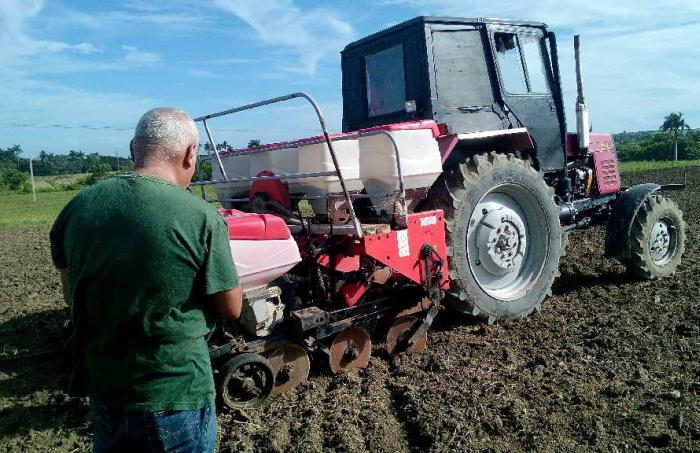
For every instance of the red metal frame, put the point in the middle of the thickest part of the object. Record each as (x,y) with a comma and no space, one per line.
(602,150)
(340,262)
(402,249)
(247,226)
(274,189)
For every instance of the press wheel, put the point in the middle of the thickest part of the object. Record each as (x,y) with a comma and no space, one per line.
(350,350)
(399,333)
(246,380)
(290,364)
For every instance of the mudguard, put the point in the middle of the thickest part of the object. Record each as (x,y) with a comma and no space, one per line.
(623,214)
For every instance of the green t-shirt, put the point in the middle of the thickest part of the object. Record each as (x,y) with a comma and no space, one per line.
(142,255)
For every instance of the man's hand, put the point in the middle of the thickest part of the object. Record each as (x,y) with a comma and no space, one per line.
(227,304)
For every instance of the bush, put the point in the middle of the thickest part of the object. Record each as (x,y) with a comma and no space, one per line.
(13,179)
(78,185)
(202,170)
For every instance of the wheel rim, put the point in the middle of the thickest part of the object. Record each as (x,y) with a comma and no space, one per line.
(662,242)
(507,241)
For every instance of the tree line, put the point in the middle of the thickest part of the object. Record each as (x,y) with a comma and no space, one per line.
(674,140)
(14,169)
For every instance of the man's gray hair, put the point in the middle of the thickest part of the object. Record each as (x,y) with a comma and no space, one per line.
(162,134)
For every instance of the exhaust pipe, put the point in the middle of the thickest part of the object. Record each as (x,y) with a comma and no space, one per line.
(582,124)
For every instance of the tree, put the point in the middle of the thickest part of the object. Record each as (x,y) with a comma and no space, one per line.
(94,164)
(675,125)
(202,171)
(13,179)
(10,154)
(253,143)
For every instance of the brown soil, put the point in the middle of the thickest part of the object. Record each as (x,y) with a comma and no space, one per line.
(611,363)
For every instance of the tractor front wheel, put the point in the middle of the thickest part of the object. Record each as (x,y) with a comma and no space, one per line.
(656,238)
(503,233)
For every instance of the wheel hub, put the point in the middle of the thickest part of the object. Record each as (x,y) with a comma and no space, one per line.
(398,333)
(247,386)
(285,373)
(350,350)
(660,241)
(291,366)
(501,241)
(508,242)
(245,380)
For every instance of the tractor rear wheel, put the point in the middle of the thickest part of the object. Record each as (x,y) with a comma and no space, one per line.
(656,238)
(504,239)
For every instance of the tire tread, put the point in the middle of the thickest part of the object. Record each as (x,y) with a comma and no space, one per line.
(450,192)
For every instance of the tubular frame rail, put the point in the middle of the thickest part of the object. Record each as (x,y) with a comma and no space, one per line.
(326,138)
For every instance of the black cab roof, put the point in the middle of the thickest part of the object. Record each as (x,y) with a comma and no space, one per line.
(441,20)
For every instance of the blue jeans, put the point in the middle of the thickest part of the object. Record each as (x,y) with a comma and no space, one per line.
(163,431)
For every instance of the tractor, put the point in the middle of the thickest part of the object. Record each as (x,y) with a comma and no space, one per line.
(453,184)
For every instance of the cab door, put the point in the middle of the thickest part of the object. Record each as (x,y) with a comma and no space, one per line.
(525,83)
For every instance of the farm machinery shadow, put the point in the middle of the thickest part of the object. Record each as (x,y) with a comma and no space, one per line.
(35,373)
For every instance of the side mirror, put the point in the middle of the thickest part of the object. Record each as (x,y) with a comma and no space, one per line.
(410,106)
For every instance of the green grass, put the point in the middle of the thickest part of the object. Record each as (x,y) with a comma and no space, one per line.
(209,192)
(18,209)
(631,167)
(58,182)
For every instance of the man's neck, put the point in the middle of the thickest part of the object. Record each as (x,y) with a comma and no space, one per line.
(161,173)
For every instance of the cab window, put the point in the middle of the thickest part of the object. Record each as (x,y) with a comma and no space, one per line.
(386,88)
(520,63)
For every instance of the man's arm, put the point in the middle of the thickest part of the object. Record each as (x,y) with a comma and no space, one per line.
(65,285)
(227,304)
(58,253)
(221,284)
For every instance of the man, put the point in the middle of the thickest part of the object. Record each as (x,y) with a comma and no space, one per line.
(146,268)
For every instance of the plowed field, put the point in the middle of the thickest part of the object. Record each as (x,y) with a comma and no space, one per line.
(611,363)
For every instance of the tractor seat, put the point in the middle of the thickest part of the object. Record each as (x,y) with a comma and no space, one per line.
(246,226)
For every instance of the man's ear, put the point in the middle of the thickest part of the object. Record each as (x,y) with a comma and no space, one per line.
(190,156)
(131,150)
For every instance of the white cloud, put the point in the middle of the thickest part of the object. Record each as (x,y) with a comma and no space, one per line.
(19,50)
(634,79)
(640,56)
(30,98)
(565,13)
(53,46)
(204,74)
(311,34)
(228,61)
(129,58)
(139,57)
(46,103)
(171,21)
(15,44)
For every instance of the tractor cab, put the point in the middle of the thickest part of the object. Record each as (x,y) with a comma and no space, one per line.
(471,75)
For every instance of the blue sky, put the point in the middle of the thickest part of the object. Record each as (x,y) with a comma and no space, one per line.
(101,64)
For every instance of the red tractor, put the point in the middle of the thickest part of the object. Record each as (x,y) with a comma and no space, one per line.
(453,183)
